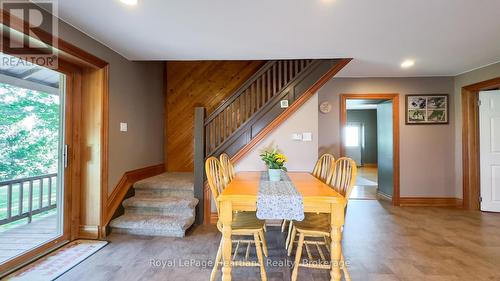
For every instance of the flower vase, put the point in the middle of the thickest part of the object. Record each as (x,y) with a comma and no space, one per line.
(274,174)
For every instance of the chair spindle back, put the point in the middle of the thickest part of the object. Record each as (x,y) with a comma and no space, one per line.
(344,176)
(216,178)
(228,167)
(323,169)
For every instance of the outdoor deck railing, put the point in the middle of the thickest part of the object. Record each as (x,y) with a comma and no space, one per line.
(13,202)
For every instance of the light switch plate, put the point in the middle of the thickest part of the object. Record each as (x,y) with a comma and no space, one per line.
(307,136)
(296,136)
(123,127)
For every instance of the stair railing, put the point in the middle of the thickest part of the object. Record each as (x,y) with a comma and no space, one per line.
(254,94)
(256,103)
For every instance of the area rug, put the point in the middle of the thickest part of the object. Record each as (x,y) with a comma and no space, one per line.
(58,262)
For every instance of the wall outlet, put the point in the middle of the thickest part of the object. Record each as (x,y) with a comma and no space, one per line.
(123,127)
(307,136)
(296,137)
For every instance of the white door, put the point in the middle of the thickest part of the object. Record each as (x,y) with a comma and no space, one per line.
(489,124)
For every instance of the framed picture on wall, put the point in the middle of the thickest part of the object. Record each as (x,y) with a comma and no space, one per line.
(427,109)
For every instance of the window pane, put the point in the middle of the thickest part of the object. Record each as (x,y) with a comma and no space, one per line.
(352,136)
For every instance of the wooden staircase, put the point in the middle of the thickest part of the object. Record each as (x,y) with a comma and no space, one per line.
(253,111)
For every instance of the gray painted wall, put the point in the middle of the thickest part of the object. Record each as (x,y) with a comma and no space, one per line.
(135,97)
(424,149)
(385,147)
(369,118)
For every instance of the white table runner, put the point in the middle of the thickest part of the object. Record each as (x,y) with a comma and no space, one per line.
(279,199)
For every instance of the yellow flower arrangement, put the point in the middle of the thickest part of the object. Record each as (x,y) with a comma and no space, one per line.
(274,159)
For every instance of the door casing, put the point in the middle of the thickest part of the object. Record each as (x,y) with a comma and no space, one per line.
(395,119)
(471,185)
(87,82)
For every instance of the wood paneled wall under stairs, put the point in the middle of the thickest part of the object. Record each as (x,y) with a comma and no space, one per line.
(192,84)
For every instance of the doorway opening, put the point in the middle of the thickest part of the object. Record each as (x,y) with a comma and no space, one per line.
(369,133)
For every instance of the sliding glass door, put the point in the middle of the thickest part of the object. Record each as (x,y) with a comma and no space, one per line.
(32,160)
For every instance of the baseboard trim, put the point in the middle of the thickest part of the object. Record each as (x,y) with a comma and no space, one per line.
(125,183)
(384,196)
(88,232)
(370,165)
(431,201)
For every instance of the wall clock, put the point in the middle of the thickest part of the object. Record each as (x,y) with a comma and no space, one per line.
(325,107)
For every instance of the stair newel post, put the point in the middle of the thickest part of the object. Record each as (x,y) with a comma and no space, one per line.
(199,161)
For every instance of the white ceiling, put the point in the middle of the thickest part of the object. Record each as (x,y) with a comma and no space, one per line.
(444,37)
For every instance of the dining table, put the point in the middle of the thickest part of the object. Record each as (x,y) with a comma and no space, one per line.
(241,195)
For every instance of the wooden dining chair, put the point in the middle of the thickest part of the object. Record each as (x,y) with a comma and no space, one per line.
(243,224)
(318,225)
(228,167)
(324,167)
(323,170)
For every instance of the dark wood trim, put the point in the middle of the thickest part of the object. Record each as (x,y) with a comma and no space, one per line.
(214,217)
(447,109)
(239,91)
(470,142)
(104,145)
(395,127)
(207,206)
(20,261)
(127,180)
(431,201)
(199,162)
(74,63)
(289,111)
(70,51)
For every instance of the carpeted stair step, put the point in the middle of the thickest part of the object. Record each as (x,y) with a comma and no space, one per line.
(168,206)
(169,184)
(152,225)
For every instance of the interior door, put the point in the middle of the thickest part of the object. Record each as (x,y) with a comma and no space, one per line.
(489,126)
(385,148)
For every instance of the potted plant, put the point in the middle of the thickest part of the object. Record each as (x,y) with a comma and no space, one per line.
(275,162)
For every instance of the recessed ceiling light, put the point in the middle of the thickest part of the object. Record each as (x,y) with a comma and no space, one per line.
(407,63)
(129,2)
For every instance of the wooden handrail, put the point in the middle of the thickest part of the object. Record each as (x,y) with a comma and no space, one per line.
(261,91)
(260,112)
(254,111)
(239,91)
(289,111)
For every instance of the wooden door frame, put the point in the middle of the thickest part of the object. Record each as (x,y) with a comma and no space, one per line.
(76,64)
(470,142)
(395,129)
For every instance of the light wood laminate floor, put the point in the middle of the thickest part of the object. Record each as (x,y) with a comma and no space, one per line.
(366,185)
(392,243)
